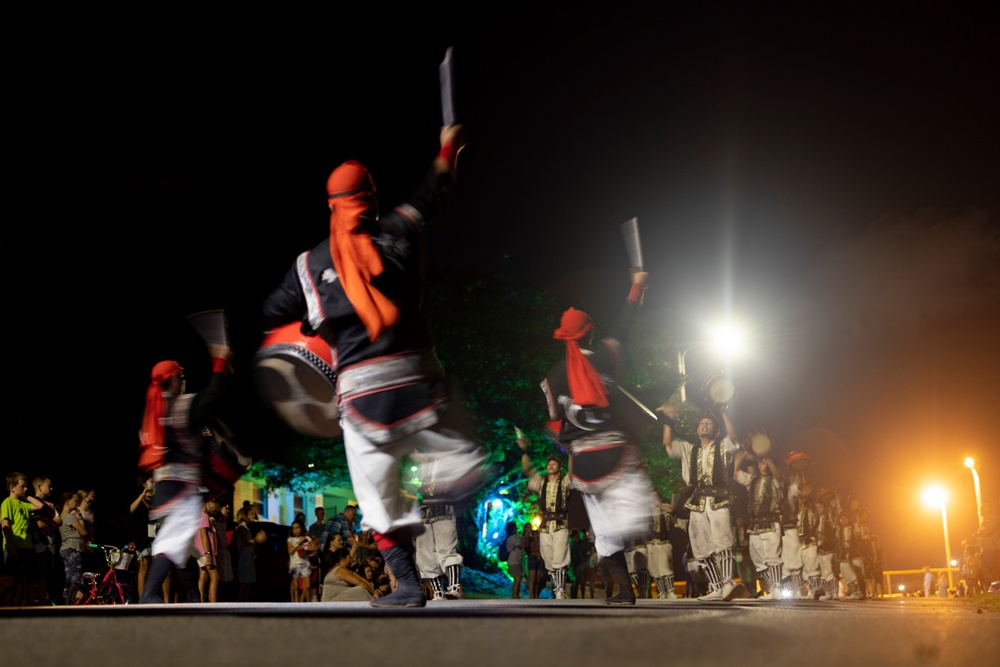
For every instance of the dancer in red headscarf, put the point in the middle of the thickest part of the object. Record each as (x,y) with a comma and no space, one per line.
(582,396)
(360,290)
(173,449)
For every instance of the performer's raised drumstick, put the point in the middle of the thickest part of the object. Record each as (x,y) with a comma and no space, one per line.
(630,234)
(445,72)
(212,326)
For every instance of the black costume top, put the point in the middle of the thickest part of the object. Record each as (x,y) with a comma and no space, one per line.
(182,468)
(310,292)
(596,438)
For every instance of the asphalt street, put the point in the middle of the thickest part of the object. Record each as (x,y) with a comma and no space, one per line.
(483,633)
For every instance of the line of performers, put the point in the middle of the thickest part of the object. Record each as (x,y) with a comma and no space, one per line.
(745,522)
(359,290)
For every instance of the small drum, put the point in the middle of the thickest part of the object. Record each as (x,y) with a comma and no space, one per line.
(760,444)
(826,495)
(718,390)
(798,461)
(806,490)
(294,373)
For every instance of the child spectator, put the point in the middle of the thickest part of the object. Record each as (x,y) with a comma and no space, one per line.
(18,548)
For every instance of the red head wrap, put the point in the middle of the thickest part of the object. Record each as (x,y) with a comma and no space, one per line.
(355,258)
(156,404)
(584,384)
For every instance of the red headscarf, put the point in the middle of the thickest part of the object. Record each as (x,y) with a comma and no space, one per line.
(355,258)
(156,404)
(584,384)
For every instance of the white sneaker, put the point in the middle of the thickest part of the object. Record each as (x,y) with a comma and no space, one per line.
(824,596)
(560,594)
(714,595)
(454,592)
(438,597)
(732,591)
(672,596)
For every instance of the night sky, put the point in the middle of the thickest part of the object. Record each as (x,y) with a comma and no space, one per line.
(828,179)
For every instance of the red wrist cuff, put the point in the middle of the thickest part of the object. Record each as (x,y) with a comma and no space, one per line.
(635,294)
(447,153)
(220,365)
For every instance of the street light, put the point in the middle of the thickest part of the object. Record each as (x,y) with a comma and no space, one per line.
(936,496)
(727,340)
(971,465)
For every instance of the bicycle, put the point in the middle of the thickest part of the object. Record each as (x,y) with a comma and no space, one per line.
(106,589)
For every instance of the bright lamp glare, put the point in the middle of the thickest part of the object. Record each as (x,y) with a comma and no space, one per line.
(727,340)
(969,463)
(935,497)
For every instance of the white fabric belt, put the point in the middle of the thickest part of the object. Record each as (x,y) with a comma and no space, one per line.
(387,372)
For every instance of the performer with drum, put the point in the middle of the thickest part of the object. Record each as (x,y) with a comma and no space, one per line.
(360,291)
(173,424)
(590,415)
(708,467)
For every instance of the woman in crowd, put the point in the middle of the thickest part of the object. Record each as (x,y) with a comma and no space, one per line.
(343,585)
(73,533)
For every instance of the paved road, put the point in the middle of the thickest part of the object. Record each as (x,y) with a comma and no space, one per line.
(514,633)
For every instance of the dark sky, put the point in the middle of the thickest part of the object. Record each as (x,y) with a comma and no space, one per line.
(828,178)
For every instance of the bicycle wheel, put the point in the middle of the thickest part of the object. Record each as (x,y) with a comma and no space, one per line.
(127,597)
(79,595)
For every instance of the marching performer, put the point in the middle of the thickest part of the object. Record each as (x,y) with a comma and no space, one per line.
(659,550)
(172,425)
(808,529)
(765,489)
(437,546)
(580,391)
(553,533)
(826,544)
(708,467)
(360,289)
(637,562)
(791,547)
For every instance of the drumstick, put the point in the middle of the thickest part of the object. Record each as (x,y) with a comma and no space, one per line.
(630,234)
(212,326)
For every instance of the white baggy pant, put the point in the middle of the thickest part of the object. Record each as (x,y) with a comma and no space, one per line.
(710,531)
(620,512)
(437,548)
(175,536)
(375,472)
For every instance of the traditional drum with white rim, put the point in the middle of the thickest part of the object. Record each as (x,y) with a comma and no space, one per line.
(798,461)
(295,373)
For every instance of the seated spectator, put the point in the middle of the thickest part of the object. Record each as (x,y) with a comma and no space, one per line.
(344,585)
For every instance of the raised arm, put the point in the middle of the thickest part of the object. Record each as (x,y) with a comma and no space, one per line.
(526,466)
(668,414)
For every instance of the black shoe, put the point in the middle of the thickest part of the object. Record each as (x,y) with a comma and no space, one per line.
(619,572)
(409,592)
(159,570)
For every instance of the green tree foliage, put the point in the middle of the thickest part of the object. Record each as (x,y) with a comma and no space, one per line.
(494,336)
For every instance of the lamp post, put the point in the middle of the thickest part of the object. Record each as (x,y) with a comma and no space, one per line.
(971,465)
(935,496)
